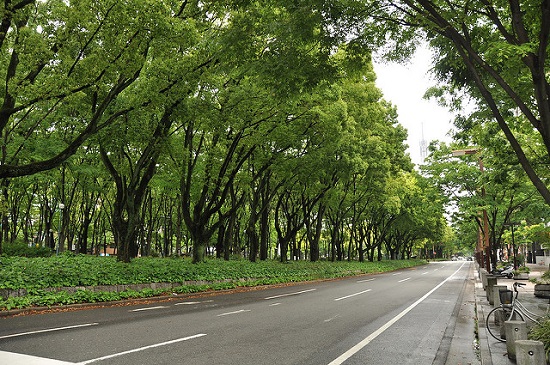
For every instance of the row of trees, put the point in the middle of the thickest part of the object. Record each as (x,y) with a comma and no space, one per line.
(175,127)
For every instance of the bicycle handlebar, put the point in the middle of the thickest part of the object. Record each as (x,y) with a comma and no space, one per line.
(516,284)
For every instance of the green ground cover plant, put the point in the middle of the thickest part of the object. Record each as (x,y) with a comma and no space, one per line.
(36,276)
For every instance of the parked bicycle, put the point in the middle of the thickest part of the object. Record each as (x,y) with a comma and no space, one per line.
(510,309)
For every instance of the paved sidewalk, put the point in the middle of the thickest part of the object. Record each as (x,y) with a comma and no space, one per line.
(491,351)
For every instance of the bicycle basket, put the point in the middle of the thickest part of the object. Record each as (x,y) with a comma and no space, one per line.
(505,296)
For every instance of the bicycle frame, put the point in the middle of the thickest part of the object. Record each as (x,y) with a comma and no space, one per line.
(512,310)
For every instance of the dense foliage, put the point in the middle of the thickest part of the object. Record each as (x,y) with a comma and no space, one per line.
(202,128)
(34,275)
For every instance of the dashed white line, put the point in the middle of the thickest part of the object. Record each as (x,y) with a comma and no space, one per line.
(352,295)
(49,330)
(397,273)
(365,281)
(332,318)
(275,304)
(289,294)
(148,308)
(400,281)
(194,303)
(424,273)
(142,349)
(235,312)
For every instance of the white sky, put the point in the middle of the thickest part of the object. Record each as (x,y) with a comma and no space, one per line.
(404,86)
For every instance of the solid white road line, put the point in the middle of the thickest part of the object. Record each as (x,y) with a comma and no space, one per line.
(235,312)
(142,349)
(352,351)
(49,330)
(289,294)
(352,295)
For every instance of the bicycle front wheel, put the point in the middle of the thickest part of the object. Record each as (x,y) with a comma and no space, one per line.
(495,322)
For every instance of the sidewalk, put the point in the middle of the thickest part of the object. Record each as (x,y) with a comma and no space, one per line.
(491,351)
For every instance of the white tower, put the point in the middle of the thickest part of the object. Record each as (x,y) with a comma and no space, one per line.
(423,146)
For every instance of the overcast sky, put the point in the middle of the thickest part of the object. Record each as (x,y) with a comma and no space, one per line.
(404,86)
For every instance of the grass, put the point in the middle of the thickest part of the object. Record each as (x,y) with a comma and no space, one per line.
(36,276)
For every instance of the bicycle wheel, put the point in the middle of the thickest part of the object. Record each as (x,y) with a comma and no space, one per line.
(495,322)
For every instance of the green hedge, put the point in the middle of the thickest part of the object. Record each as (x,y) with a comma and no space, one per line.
(67,270)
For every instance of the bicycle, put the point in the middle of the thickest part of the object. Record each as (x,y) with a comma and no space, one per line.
(510,309)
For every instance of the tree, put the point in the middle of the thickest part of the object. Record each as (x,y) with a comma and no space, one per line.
(495,51)
(63,67)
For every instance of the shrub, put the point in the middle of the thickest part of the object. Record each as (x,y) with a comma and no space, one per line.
(22,249)
(541,332)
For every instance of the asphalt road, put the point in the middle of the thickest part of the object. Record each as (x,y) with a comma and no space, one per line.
(403,317)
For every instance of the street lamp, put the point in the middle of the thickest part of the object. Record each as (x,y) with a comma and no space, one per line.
(484,244)
(61,207)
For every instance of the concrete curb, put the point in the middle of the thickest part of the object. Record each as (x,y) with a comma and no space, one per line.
(483,342)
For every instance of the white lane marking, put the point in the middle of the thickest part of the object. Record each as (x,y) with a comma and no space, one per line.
(332,318)
(49,330)
(365,281)
(289,294)
(148,308)
(15,358)
(141,349)
(400,281)
(235,312)
(193,303)
(352,295)
(352,351)
(274,304)
(397,273)
(424,273)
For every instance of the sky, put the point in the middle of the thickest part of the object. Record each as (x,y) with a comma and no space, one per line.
(404,86)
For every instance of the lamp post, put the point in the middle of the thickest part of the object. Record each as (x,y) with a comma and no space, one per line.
(483,249)
(61,207)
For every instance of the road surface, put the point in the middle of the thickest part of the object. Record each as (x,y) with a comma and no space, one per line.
(403,317)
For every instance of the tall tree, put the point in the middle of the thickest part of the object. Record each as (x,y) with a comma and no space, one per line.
(63,65)
(497,51)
